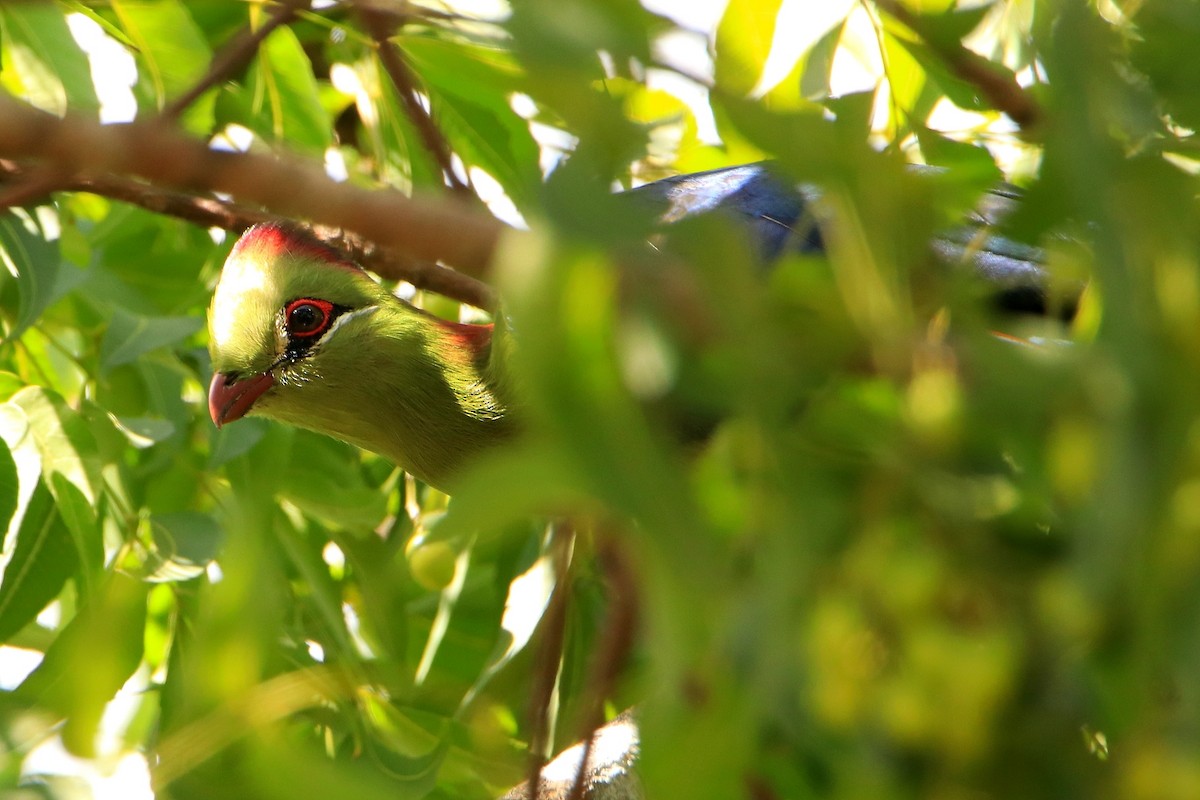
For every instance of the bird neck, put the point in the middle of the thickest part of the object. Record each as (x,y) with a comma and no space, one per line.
(426,393)
(444,394)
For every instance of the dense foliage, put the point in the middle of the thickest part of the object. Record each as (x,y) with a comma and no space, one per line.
(915,559)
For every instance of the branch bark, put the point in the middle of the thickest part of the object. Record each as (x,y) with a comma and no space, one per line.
(212,212)
(429,229)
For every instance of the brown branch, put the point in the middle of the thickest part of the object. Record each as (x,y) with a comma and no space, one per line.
(600,766)
(549,654)
(211,212)
(1000,91)
(234,57)
(612,650)
(379,25)
(32,185)
(429,229)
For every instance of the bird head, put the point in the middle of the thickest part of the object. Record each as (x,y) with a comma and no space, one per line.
(285,309)
(300,334)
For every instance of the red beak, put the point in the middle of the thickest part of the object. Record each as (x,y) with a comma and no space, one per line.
(230,400)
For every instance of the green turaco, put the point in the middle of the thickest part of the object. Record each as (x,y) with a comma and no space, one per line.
(302,335)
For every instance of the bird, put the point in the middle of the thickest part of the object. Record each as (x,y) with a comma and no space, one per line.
(301,334)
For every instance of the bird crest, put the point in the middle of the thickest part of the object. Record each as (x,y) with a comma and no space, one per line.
(275,239)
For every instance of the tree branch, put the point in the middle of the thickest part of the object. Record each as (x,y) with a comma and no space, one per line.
(548,656)
(211,212)
(379,25)
(428,229)
(612,649)
(1003,93)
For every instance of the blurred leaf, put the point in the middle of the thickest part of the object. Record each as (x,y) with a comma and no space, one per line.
(43,558)
(184,544)
(1159,52)
(960,91)
(232,441)
(323,478)
(33,259)
(129,336)
(965,161)
(106,635)
(172,55)
(818,64)
(743,43)
(145,431)
(51,69)
(527,600)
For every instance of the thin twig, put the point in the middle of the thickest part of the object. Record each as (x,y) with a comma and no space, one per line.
(612,649)
(999,90)
(234,57)
(379,25)
(549,655)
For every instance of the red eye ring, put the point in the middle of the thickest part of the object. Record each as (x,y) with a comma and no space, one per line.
(307,317)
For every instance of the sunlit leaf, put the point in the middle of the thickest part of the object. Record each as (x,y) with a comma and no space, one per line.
(284,95)
(33,258)
(171,51)
(106,635)
(743,43)
(46,62)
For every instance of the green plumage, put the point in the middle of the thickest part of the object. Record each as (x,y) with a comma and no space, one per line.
(384,375)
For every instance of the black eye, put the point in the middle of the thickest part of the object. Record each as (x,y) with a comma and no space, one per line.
(308,317)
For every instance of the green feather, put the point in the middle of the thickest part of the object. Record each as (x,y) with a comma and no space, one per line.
(386,377)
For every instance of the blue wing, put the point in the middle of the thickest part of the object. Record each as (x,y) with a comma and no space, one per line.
(778,215)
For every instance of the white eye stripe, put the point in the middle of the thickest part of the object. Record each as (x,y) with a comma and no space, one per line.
(342,319)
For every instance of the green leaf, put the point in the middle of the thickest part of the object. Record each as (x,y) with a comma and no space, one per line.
(326,481)
(10,384)
(63,439)
(818,64)
(963,93)
(70,465)
(44,57)
(39,555)
(968,163)
(131,336)
(951,25)
(106,635)
(285,96)
(43,558)
(390,138)
(9,486)
(469,87)
(744,38)
(34,260)
(148,264)
(232,441)
(172,54)
(185,542)
(145,431)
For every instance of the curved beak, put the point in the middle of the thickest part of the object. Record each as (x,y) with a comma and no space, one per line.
(230,400)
